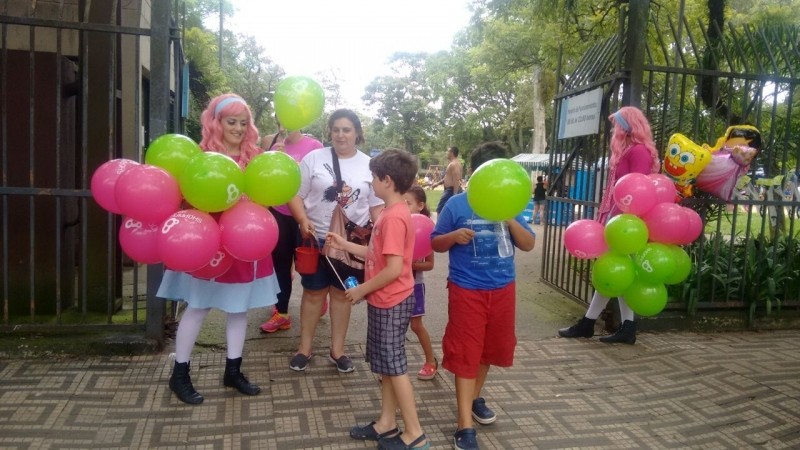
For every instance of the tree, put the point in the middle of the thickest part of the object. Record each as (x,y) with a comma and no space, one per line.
(405,103)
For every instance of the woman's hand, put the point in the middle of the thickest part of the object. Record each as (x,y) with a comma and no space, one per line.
(335,241)
(307,229)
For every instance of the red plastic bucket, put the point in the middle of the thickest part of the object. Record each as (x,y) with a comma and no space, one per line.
(306,260)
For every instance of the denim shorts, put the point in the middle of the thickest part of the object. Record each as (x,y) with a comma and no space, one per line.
(323,278)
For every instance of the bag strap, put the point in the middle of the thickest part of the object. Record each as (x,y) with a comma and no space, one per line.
(336,170)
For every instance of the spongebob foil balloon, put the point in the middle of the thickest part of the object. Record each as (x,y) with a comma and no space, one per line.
(684,161)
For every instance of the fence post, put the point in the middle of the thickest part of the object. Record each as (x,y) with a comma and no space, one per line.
(636,32)
(158,115)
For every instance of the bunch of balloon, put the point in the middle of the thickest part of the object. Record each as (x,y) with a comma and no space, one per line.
(638,251)
(155,229)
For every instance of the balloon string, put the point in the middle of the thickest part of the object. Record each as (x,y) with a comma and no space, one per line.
(334,271)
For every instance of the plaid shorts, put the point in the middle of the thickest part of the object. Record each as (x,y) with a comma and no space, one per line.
(386,337)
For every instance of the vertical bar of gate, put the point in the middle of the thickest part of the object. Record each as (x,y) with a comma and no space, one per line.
(137,126)
(84,149)
(159,111)
(31,166)
(59,181)
(112,257)
(4,150)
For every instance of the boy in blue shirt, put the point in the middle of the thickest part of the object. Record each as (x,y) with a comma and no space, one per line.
(481,298)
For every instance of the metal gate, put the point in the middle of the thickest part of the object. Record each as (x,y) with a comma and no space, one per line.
(688,80)
(81,83)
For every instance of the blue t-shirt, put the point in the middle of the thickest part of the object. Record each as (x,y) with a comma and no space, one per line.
(478,264)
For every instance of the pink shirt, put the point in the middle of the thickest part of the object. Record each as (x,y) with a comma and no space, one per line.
(393,234)
(298,151)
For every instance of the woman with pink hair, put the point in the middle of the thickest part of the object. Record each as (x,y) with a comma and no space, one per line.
(632,151)
(228,129)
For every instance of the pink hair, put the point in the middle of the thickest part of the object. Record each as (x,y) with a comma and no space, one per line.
(212,128)
(622,140)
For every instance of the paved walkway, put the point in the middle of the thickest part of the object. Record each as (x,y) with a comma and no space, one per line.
(670,390)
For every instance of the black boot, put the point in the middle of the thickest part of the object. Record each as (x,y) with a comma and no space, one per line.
(583,328)
(625,335)
(181,384)
(236,379)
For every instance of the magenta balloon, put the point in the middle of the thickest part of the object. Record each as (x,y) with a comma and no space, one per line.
(147,193)
(664,188)
(188,240)
(666,223)
(139,241)
(104,182)
(584,239)
(634,194)
(694,226)
(423,227)
(249,231)
(220,263)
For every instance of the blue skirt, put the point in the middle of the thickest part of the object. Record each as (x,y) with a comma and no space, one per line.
(227,297)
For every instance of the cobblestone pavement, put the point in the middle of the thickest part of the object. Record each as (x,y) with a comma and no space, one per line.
(670,390)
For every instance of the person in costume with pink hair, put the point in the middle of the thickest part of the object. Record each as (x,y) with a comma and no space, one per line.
(228,129)
(632,151)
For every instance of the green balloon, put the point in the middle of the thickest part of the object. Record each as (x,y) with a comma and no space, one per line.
(654,263)
(683,265)
(272,178)
(646,299)
(626,234)
(172,152)
(212,182)
(298,102)
(612,273)
(499,190)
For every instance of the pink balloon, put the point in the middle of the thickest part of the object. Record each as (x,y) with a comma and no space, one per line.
(104,180)
(665,188)
(666,223)
(220,263)
(139,240)
(423,227)
(634,194)
(249,231)
(147,193)
(694,226)
(585,239)
(188,239)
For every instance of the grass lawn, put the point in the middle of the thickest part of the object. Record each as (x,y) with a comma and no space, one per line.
(756,221)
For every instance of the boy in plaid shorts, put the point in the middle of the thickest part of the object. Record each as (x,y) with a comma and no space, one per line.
(481,298)
(388,285)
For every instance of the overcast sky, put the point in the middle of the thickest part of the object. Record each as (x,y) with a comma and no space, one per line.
(354,37)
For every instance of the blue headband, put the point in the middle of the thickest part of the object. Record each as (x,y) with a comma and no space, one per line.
(227,102)
(622,122)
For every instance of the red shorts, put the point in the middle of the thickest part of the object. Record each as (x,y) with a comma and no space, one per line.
(480,329)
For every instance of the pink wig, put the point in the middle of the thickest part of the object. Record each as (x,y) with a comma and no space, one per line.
(631,127)
(218,109)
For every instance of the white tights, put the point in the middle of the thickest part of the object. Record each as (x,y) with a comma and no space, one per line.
(189,328)
(599,303)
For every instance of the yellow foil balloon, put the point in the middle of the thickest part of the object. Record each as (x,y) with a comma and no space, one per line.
(683,161)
